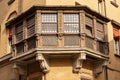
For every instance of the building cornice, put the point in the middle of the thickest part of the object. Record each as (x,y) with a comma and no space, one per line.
(34,8)
(8,56)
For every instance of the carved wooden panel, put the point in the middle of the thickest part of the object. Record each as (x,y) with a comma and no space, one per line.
(49,40)
(71,40)
(101,46)
(89,42)
(31,42)
(20,48)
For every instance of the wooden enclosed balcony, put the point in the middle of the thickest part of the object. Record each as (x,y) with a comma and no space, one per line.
(59,30)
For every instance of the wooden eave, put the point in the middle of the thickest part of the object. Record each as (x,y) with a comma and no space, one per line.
(34,8)
(115,23)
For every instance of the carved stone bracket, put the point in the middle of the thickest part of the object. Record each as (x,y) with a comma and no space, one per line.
(98,67)
(20,70)
(43,62)
(78,60)
(60,36)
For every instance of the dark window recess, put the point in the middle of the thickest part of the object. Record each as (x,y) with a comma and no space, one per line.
(20,48)
(31,43)
(10,2)
(89,42)
(30,26)
(19,32)
(101,46)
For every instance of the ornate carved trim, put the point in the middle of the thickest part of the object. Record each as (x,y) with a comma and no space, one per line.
(43,62)
(78,60)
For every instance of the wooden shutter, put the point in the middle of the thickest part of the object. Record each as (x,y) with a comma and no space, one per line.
(89,21)
(19,32)
(30,26)
(100,30)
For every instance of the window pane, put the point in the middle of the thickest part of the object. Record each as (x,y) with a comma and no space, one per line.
(71,27)
(49,18)
(71,18)
(49,28)
(49,23)
(116,46)
(71,23)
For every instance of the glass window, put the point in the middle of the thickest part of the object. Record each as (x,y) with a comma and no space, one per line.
(71,23)
(49,23)
(116,46)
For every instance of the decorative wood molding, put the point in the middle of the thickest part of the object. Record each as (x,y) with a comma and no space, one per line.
(114,4)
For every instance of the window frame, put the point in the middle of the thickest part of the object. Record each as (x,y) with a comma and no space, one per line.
(70,22)
(71,33)
(48,33)
(22,32)
(90,26)
(103,32)
(116,41)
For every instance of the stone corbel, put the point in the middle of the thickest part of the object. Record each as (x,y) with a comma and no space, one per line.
(20,70)
(98,68)
(78,60)
(43,62)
